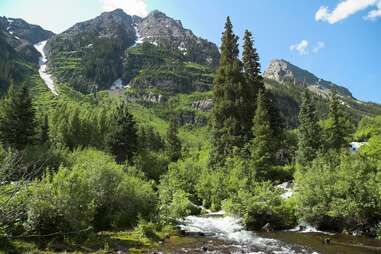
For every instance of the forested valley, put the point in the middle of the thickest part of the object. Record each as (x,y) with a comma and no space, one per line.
(94,169)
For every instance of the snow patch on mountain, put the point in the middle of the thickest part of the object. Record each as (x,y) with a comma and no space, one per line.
(46,77)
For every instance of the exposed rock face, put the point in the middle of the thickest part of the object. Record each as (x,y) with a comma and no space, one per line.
(115,26)
(159,29)
(147,98)
(283,71)
(22,36)
(203,105)
(170,85)
(20,28)
(92,54)
(191,118)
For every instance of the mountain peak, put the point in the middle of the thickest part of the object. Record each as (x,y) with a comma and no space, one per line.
(159,29)
(283,72)
(156,14)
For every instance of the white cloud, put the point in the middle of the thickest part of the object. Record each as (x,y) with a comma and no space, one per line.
(301,47)
(345,9)
(304,47)
(374,14)
(318,46)
(131,7)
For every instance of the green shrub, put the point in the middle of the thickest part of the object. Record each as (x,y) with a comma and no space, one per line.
(263,204)
(94,192)
(282,174)
(339,195)
(153,164)
(177,189)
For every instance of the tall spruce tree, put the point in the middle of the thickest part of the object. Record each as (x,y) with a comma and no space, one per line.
(276,121)
(261,147)
(339,126)
(228,99)
(253,82)
(309,131)
(17,119)
(173,141)
(123,138)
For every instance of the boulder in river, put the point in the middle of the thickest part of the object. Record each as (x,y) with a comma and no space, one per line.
(267,227)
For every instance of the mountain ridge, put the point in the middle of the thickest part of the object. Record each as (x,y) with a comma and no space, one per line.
(21,36)
(283,71)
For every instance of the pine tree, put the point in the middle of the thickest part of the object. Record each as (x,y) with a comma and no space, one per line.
(228,100)
(17,119)
(173,141)
(123,139)
(276,121)
(262,145)
(253,82)
(44,132)
(339,127)
(309,131)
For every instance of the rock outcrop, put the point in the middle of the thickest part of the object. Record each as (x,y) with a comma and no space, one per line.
(92,54)
(159,29)
(115,26)
(21,36)
(285,72)
(205,105)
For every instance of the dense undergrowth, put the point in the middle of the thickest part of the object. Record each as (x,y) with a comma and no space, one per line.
(97,171)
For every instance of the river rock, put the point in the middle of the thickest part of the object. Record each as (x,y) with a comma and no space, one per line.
(267,227)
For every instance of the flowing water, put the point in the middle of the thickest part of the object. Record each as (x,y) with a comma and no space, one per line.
(215,233)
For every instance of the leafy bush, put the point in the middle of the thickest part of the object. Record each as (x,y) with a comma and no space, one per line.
(94,192)
(177,190)
(340,194)
(263,204)
(215,186)
(368,127)
(153,164)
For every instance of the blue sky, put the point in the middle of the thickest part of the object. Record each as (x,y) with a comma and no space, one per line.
(337,40)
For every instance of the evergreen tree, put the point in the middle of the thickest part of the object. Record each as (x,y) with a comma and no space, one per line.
(44,132)
(173,141)
(309,132)
(276,121)
(339,127)
(123,139)
(262,145)
(228,99)
(253,82)
(17,119)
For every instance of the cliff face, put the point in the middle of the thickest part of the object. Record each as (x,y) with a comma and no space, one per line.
(283,71)
(93,54)
(21,36)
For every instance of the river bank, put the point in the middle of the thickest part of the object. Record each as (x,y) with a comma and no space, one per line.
(216,233)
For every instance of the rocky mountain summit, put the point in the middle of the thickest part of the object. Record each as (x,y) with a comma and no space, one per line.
(91,55)
(115,26)
(284,72)
(21,36)
(158,28)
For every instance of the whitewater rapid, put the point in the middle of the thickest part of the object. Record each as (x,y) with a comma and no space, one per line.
(230,230)
(46,77)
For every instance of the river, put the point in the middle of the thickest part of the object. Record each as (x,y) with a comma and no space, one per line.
(216,233)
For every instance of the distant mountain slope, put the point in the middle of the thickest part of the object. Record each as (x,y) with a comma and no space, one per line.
(284,72)
(93,54)
(21,36)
